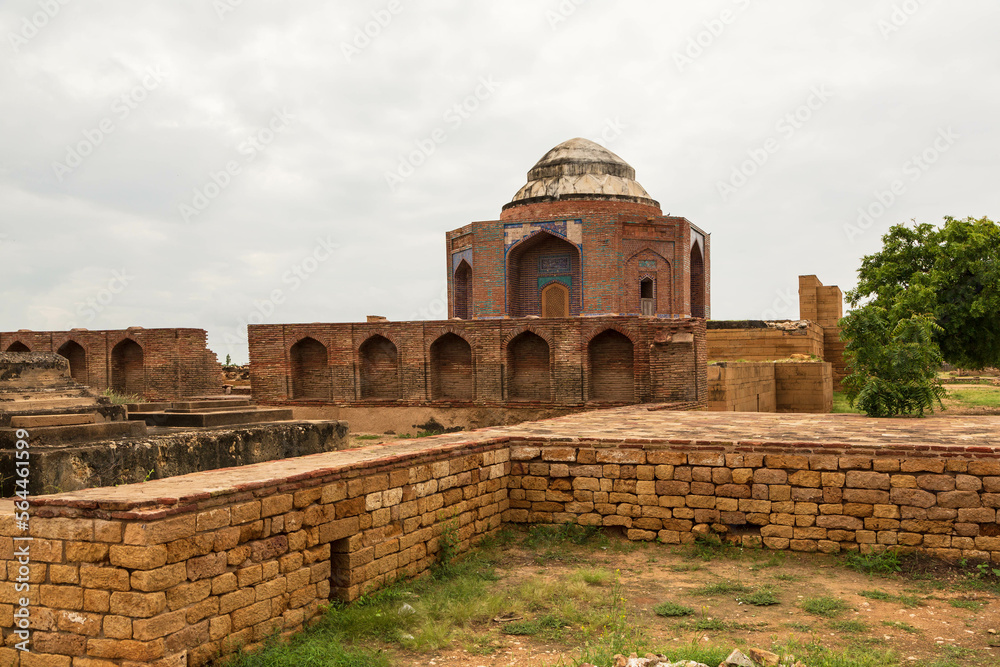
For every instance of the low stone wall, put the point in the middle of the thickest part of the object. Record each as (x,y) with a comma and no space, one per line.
(803,386)
(57,469)
(823,498)
(741,387)
(175,572)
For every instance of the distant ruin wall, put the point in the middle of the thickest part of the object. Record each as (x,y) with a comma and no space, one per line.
(735,387)
(763,344)
(166,364)
(789,386)
(518,362)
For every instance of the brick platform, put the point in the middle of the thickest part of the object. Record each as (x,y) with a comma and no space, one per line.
(179,569)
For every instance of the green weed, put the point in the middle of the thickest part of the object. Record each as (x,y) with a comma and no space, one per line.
(672,609)
(826,606)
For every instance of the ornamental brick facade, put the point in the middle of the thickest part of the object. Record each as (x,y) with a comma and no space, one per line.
(158,364)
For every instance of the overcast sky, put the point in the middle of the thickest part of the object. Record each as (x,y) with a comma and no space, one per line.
(202,164)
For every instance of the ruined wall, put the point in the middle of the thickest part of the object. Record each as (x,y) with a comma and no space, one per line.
(799,497)
(180,569)
(523,362)
(735,387)
(803,386)
(173,363)
(825,306)
(756,341)
(221,559)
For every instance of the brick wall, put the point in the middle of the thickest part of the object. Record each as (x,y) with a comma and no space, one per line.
(198,564)
(166,364)
(607,264)
(544,361)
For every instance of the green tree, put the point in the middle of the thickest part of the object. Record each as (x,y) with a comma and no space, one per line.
(951,272)
(892,364)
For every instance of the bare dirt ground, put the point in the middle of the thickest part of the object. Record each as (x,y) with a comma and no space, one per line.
(913,616)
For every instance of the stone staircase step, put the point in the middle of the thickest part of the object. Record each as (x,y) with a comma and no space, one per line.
(36,405)
(211,404)
(55,436)
(207,419)
(35,421)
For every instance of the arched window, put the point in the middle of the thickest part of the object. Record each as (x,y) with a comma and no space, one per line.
(18,346)
(647,296)
(555,300)
(698,295)
(463,291)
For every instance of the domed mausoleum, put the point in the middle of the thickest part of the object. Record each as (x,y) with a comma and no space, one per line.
(582,294)
(581,237)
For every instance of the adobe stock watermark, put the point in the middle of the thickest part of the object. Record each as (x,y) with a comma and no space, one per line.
(454,117)
(223,7)
(366,33)
(30,26)
(912,171)
(93,306)
(782,308)
(900,16)
(292,279)
(563,11)
(699,43)
(22,543)
(786,127)
(436,309)
(613,129)
(218,180)
(121,108)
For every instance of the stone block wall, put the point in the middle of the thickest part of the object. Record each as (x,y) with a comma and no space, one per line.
(522,362)
(175,572)
(734,387)
(172,363)
(803,386)
(756,341)
(824,498)
(225,558)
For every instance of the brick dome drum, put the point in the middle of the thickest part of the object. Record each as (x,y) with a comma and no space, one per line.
(581,169)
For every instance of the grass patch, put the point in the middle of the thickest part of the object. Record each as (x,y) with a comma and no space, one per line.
(593,577)
(121,399)
(909,601)
(672,609)
(788,577)
(710,547)
(826,606)
(724,587)
(853,627)
(367,436)
(899,625)
(842,405)
(976,396)
(965,603)
(816,655)
(879,563)
(762,597)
